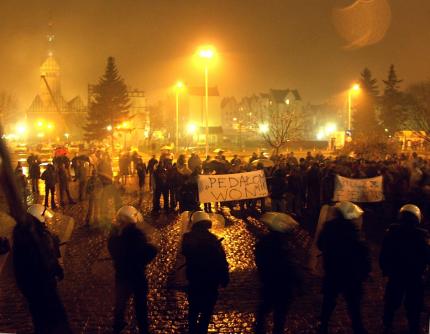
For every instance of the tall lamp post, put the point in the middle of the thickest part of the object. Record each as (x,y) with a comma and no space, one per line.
(179,86)
(354,88)
(206,53)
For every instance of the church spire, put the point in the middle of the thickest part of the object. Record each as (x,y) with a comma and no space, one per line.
(50,37)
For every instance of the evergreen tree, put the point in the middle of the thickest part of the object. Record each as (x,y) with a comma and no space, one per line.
(365,122)
(110,104)
(392,104)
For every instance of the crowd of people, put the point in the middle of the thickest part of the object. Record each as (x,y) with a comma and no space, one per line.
(299,187)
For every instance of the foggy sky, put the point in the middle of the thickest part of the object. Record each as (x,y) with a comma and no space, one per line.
(261,45)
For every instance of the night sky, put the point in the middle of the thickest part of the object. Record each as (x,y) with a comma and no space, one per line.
(262,44)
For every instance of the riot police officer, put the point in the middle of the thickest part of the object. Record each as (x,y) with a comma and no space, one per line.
(37,271)
(405,254)
(131,253)
(346,264)
(206,270)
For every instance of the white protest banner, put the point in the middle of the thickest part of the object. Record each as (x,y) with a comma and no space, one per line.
(232,187)
(358,190)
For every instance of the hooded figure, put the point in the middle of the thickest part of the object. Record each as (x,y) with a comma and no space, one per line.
(37,270)
(346,264)
(404,257)
(131,253)
(279,275)
(206,270)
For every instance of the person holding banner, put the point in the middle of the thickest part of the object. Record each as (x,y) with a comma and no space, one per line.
(346,264)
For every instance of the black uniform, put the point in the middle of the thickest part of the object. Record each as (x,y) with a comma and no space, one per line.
(279,278)
(404,257)
(161,188)
(206,270)
(131,253)
(346,265)
(35,259)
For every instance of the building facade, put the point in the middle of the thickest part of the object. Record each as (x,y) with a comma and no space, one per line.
(50,116)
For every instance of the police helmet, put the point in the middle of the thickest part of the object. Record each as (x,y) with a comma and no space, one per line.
(411,209)
(349,210)
(40,212)
(129,214)
(201,218)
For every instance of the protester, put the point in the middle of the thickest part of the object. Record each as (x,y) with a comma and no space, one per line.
(404,257)
(131,253)
(278,187)
(151,167)
(63,181)
(34,172)
(93,191)
(21,182)
(346,264)
(50,178)
(161,187)
(141,170)
(124,167)
(37,271)
(194,162)
(206,270)
(82,176)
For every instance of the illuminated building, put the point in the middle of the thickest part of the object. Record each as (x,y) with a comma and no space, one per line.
(50,113)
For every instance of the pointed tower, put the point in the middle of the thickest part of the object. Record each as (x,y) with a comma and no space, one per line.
(50,88)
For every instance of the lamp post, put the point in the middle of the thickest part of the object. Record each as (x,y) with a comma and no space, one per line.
(179,86)
(354,88)
(206,53)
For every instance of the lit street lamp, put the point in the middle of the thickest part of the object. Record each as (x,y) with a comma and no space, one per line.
(179,86)
(263,128)
(206,53)
(355,88)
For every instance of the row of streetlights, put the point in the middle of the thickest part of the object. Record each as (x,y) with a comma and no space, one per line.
(206,53)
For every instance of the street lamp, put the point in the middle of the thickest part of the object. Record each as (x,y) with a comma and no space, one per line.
(263,128)
(179,86)
(354,89)
(206,53)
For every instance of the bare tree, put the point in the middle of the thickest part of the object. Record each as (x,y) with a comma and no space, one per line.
(8,109)
(418,109)
(155,113)
(282,124)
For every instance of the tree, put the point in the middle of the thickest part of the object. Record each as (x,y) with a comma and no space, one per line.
(155,116)
(365,123)
(110,104)
(283,124)
(8,110)
(392,103)
(418,108)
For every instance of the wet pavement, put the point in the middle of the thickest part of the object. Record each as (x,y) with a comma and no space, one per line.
(87,290)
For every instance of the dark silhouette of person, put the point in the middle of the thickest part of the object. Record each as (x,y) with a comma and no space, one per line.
(141,170)
(279,276)
(37,270)
(63,181)
(346,264)
(131,253)
(50,178)
(34,172)
(151,168)
(404,256)
(206,270)
(161,187)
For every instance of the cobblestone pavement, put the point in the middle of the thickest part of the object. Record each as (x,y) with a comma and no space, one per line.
(87,289)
